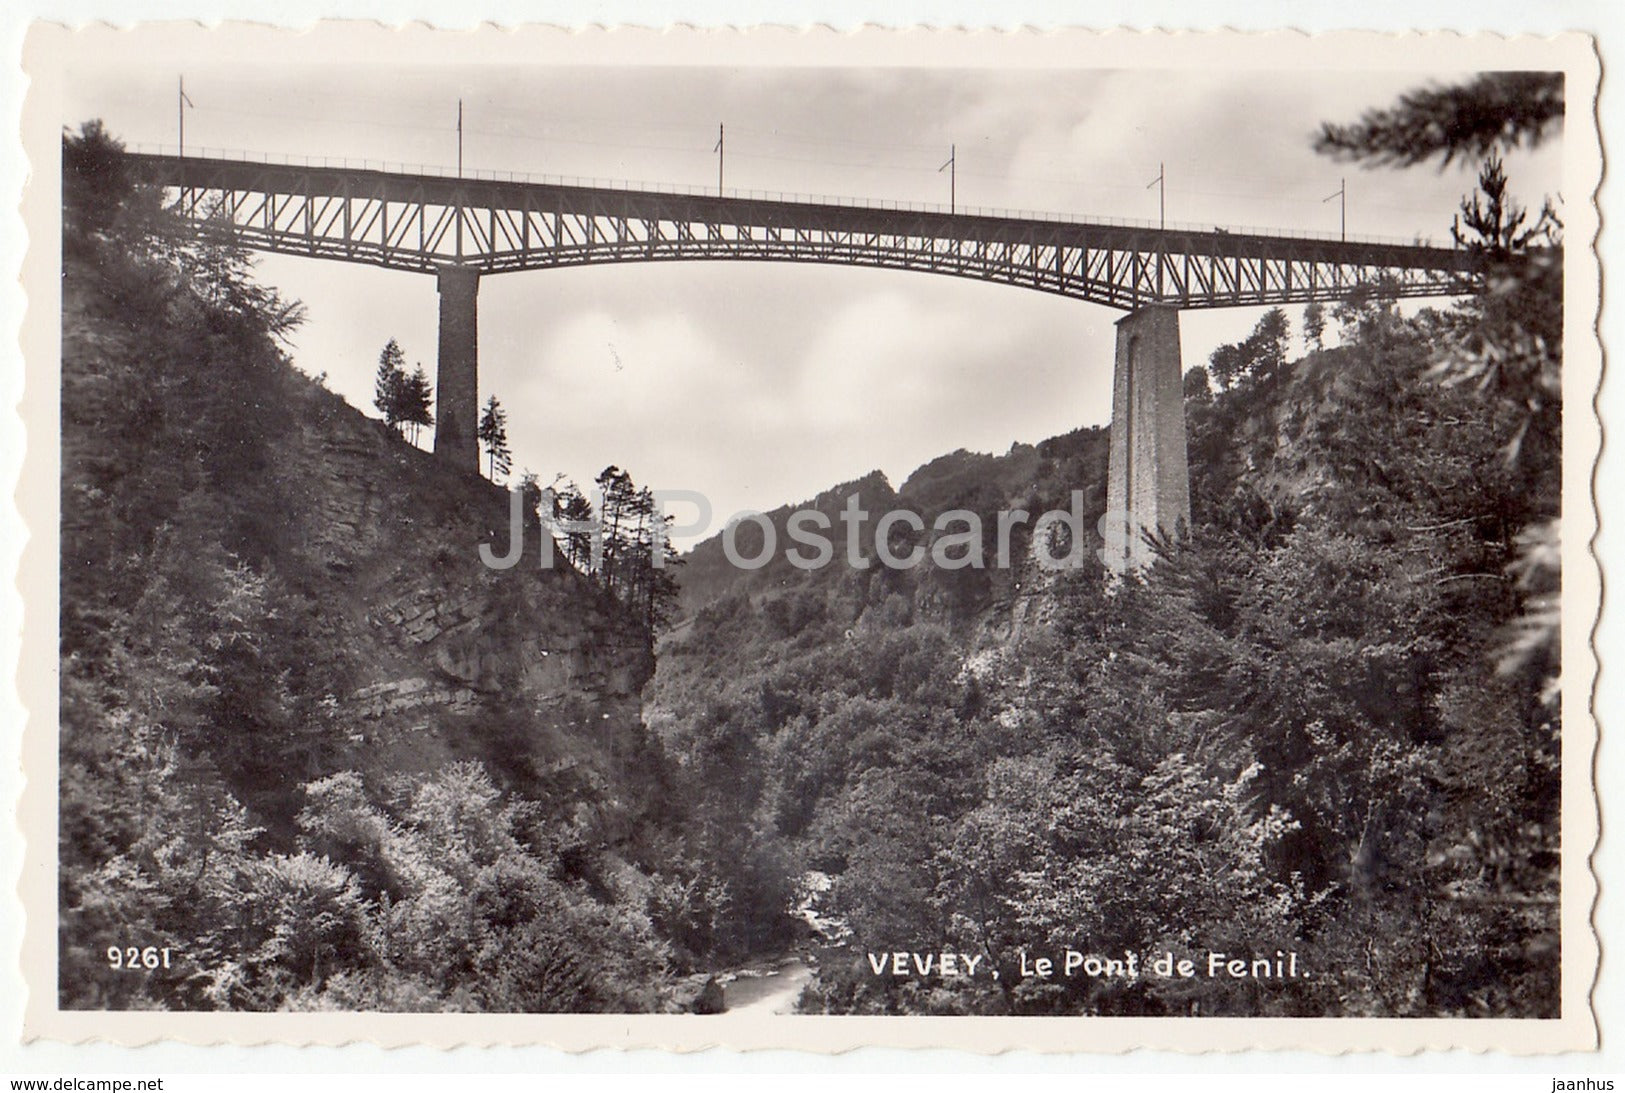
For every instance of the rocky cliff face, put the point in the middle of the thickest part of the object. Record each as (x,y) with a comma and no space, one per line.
(530,669)
(989,605)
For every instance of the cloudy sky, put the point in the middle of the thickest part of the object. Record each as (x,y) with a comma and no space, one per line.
(763,384)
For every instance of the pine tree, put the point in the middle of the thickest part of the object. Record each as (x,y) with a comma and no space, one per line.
(570,505)
(637,565)
(417,396)
(1493,110)
(493,433)
(616,517)
(1494,220)
(389,385)
(657,601)
(1314,326)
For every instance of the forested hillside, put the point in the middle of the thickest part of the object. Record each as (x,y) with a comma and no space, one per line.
(312,749)
(1323,723)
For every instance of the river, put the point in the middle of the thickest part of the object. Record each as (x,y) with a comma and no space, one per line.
(768,987)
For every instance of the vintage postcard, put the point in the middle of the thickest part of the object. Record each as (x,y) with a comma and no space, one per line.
(1069,541)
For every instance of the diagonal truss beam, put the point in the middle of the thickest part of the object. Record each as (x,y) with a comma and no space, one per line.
(421,223)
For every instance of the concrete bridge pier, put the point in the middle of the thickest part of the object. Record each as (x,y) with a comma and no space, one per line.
(1148,481)
(457,383)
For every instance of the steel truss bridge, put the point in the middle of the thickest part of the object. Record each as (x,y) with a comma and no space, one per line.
(463,229)
(422,223)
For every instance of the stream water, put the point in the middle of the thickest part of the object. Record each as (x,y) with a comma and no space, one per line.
(769,987)
(774,985)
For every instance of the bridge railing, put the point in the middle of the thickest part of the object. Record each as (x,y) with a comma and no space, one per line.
(785,196)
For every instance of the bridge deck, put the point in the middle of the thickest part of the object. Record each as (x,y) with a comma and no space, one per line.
(424,222)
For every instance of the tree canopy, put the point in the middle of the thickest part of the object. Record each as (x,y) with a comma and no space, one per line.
(1468,120)
(493,433)
(404,398)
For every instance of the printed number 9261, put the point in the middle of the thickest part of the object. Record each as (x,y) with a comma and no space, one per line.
(131,958)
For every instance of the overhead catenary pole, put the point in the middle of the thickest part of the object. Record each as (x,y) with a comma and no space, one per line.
(1342,196)
(181,103)
(721,151)
(1161,183)
(952,167)
(459,211)
(188,199)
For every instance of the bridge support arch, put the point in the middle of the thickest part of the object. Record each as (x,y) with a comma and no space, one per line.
(1148,480)
(457,382)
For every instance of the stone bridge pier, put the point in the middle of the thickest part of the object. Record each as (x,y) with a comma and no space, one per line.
(457,382)
(1148,480)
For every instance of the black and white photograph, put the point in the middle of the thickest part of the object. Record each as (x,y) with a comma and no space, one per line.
(749,540)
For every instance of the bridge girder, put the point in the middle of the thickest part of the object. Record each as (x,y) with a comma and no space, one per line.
(423,223)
